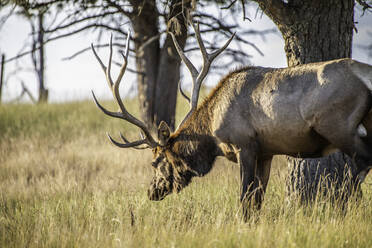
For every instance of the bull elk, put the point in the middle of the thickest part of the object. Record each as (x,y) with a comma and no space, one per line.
(253,114)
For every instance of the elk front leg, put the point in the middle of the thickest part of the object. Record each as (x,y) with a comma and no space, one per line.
(263,168)
(247,161)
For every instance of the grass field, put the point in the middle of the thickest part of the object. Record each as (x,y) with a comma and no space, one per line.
(63,185)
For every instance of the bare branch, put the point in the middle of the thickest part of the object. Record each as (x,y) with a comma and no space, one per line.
(119,8)
(276,9)
(364,4)
(75,22)
(244,14)
(149,41)
(89,48)
(230,5)
(28,92)
(4,18)
(63,36)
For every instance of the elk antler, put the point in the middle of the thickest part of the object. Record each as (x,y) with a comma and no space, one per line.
(123,113)
(183,93)
(197,77)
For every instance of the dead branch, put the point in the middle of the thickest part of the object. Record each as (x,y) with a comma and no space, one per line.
(25,91)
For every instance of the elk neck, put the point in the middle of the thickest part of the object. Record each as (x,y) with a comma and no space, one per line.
(195,143)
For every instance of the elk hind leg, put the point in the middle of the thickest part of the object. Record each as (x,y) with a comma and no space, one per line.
(352,144)
(345,130)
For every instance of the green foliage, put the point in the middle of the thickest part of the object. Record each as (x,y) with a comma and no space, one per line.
(63,185)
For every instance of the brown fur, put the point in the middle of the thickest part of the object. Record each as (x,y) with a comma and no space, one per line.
(255,113)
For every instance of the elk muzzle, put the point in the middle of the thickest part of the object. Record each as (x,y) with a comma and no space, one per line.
(159,189)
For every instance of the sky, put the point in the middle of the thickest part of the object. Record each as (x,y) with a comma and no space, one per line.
(74,79)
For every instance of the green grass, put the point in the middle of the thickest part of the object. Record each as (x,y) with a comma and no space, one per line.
(63,185)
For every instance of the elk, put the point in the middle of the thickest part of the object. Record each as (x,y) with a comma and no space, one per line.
(253,114)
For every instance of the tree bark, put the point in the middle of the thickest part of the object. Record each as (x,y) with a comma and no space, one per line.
(169,70)
(145,26)
(2,75)
(313,31)
(159,67)
(39,65)
(326,177)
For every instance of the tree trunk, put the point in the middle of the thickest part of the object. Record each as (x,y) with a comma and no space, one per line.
(2,75)
(159,68)
(326,177)
(40,67)
(145,25)
(313,31)
(169,70)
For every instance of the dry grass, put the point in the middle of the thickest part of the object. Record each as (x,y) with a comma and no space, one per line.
(63,185)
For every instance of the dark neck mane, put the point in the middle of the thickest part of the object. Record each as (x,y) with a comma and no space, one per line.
(195,143)
(194,140)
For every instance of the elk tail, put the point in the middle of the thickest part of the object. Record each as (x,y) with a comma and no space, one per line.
(362,131)
(364,73)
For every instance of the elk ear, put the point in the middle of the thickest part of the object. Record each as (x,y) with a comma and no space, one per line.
(163,133)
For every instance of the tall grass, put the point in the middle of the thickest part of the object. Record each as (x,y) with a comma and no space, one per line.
(63,185)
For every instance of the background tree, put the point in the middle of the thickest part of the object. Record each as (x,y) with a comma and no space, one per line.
(314,31)
(35,45)
(36,21)
(2,62)
(157,63)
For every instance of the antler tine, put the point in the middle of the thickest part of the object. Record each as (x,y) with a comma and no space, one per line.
(127,142)
(126,145)
(123,138)
(125,57)
(199,40)
(183,93)
(206,56)
(123,114)
(194,72)
(115,86)
(107,112)
(207,61)
(216,53)
(197,77)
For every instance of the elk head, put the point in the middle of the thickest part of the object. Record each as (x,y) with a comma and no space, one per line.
(171,171)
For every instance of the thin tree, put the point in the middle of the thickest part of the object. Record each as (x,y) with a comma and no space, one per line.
(2,74)
(36,19)
(38,55)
